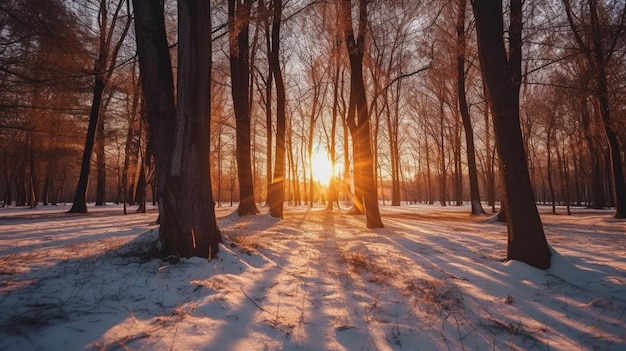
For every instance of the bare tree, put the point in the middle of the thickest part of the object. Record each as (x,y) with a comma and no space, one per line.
(186,208)
(501,70)
(599,48)
(276,197)
(238,26)
(104,65)
(365,179)
(477,208)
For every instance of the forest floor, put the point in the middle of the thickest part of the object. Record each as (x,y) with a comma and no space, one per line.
(432,279)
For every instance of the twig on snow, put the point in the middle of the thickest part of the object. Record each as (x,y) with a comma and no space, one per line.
(252,300)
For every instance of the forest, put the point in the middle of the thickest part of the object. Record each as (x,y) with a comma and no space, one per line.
(264,104)
(312,175)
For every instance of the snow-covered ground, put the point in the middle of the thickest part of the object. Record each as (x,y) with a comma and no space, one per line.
(432,279)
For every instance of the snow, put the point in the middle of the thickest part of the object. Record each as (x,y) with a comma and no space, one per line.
(432,279)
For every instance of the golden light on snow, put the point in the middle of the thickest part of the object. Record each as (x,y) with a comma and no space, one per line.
(322,167)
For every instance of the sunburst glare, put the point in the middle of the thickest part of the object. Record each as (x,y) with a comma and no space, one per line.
(322,167)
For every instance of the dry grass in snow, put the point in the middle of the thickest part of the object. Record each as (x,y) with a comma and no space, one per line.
(432,279)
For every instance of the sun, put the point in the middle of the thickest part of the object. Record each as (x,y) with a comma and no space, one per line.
(322,167)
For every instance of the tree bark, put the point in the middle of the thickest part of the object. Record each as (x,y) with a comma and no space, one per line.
(80,203)
(238,23)
(278,182)
(477,207)
(100,163)
(186,209)
(549,164)
(198,234)
(363,158)
(502,76)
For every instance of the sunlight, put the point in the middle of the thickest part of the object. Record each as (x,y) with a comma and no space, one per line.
(322,167)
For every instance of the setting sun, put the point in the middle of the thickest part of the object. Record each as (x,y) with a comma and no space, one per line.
(322,167)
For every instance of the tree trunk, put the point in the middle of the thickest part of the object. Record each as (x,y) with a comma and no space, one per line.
(443,186)
(140,190)
(239,19)
(477,207)
(278,182)
(100,163)
(564,170)
(332,190)
(186,209)
(32,176)
(549,165)
(393,126)
(268,107)
(357,198)
(363,158)
(429,179)
(80,203)
(130,132)
(502,74)
(103,70)
(458,168)
(619,185)
(197,230)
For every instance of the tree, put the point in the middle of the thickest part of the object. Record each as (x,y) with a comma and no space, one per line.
(502,76)
(365,180)
(188,226)
(42,60)
(238,27)
(599,50)
(102,71)
(276,195)
(133,131)
(477,208)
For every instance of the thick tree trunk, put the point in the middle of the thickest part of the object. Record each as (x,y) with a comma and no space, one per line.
(363,158)
(186,208)
(502,75)
(158,87)
(198,234)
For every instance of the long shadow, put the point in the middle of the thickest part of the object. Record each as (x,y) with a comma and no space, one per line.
(468,261)
(74,303)
(65,294)
(30,235)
